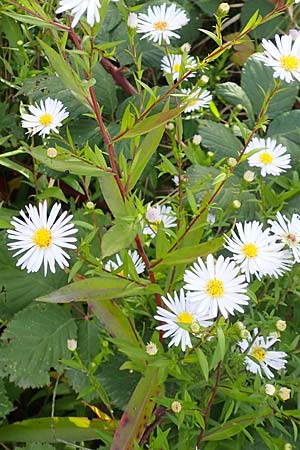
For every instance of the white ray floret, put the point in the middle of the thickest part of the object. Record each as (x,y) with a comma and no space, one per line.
(288,232)
(160,22)
(42,239)
(172,64)
(159,214)
(216,286)
(271,158)
(137,261)
(180,312)
(283,57)
(196,99)
(257,252)
(45,117)
(259,358)
(78,8)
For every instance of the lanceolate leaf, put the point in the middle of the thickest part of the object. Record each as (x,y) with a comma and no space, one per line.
(137,414)
(50,430)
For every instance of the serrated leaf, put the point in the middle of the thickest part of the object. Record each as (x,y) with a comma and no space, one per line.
(34,341)
(235,95)
(219,139)
(48,429)
(286,130)
(36,446)
(6,405)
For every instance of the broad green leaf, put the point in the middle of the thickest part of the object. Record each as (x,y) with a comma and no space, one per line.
(234,94)
(52,192)
(17,287)
(6,405)
(6,216)
(144,153)
(190,254)
(36,446)
(152,122)
(208,6)
(257,79)
(105,89)
(34,341)
(119,236)
(72,429)
(266,30)
(137,414)
(285,129)
(203,363)
(112,195)
(219,139)
(104,287)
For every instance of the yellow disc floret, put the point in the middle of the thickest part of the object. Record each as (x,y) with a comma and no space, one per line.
(290,62)
(215,288)
(161,25)
(250,250)
(185,317)
(258,353)
(266,158)
(42,238)
(176,67)
(46,120)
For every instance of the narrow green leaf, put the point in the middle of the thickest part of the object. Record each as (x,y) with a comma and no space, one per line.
(23,18)
(12,165)
(119,236)
(203,363)
(112,195)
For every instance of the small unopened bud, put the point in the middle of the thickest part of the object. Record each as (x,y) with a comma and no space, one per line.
(223,8)
(51,152)
(281,325)
(153,215)
(240,325)
(132,20)
(170,126)
(151,348)
(197,138)
(204,79)
(210,154)
(245,334)
(176,407)
(20,42)
(232,162)
(270,389)
(72,345)
(288,446)
(284,393)
(90,205)
(249,176)
(236,204)
(195,327)
(185,48)
(294,33)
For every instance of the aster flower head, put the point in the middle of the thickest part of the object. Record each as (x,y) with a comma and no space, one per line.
(137,261)
(271,158)
(42,239)
(284,57)
(78,8)
(45,117)
(160,22)
(256,252)
(196,99)
(159,214)
(259,358)
(216,286)
(180,314)
(172,64)
(287,232)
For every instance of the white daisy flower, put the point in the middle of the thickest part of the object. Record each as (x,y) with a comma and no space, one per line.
(181,312)
(284,57)
(159,214)
(135,257)
(42,238)
(172,64)
(160,22)
(200,98)
(78,8)
(216,286)
(257,347)
(271,159)
(257,252)
(288,231)
(46,117)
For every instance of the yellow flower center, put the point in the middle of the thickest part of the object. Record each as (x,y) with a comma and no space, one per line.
(193,101)
(46,120)
(161,25)
(290,62)
(215,288)
(266,158)
(258,353)
(176,67)
(250,250)
(185,317)
(42,238)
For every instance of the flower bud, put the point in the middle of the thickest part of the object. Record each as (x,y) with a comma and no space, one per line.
(90,205)
(204,79)
(270,389)
(20,42)
(245,334)
(176,407)
(51,152)
(210,154)
(288,446)
(170,126)
(197,138)
(281,325)
(153,215)
(72,345)
(185,48)
(151,348)
(284,393)
(223,8)
(232,162)
(195,327)
(132,21)
(236,204)
(249,176)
